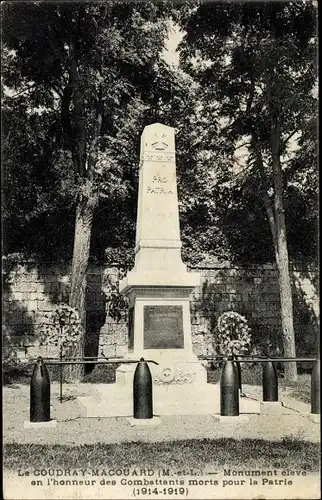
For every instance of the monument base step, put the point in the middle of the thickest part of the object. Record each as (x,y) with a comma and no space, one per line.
(112,400)
(238,419)
(271,407)
(314,417)
(144,421)
(38,425)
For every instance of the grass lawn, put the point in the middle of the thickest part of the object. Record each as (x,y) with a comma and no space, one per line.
(196,454)
(301,390)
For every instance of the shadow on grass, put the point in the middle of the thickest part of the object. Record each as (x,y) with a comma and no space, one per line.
(102,374)
(290,453)
(251,375)
(68,398)
(301,389)
(18,375)
(22,375)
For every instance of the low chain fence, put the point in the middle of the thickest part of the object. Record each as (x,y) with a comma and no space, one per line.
(230,382)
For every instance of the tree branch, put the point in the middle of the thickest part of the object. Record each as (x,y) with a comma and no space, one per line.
(66,119)
(285,141)
(247,143)
(93,148)
(21,92)
(79,125)
(266,198)
(58,89)
(277,170)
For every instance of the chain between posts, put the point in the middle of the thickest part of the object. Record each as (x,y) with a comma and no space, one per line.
(255,359)
(90,360)
(229,385)
(85,361)
(105,362)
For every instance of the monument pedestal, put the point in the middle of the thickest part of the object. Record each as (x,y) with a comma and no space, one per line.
(160,330)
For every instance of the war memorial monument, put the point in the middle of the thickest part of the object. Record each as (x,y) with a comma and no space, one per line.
(158,290)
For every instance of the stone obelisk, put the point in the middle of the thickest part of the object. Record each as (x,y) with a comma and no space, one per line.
(158,287)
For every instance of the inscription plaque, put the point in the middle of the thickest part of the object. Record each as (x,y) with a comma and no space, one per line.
(163,327)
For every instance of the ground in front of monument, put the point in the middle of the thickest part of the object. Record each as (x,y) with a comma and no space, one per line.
(273,454)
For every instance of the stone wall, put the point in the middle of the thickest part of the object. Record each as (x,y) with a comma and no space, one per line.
(253,291)
(31,292)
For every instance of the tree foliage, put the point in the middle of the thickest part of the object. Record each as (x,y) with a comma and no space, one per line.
(38,187)
(252,61)
(116,48)
(42,183)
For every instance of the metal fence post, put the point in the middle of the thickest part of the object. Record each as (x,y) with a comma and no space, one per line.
(142,391)
(229,393)
(239,373)
(61,374)
(315,387)
(270,383)
(40,393)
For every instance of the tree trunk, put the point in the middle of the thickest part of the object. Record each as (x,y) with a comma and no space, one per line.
(82,239)
(290,369)
(282,261)
(88,197)
(276,218)
(285,292)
